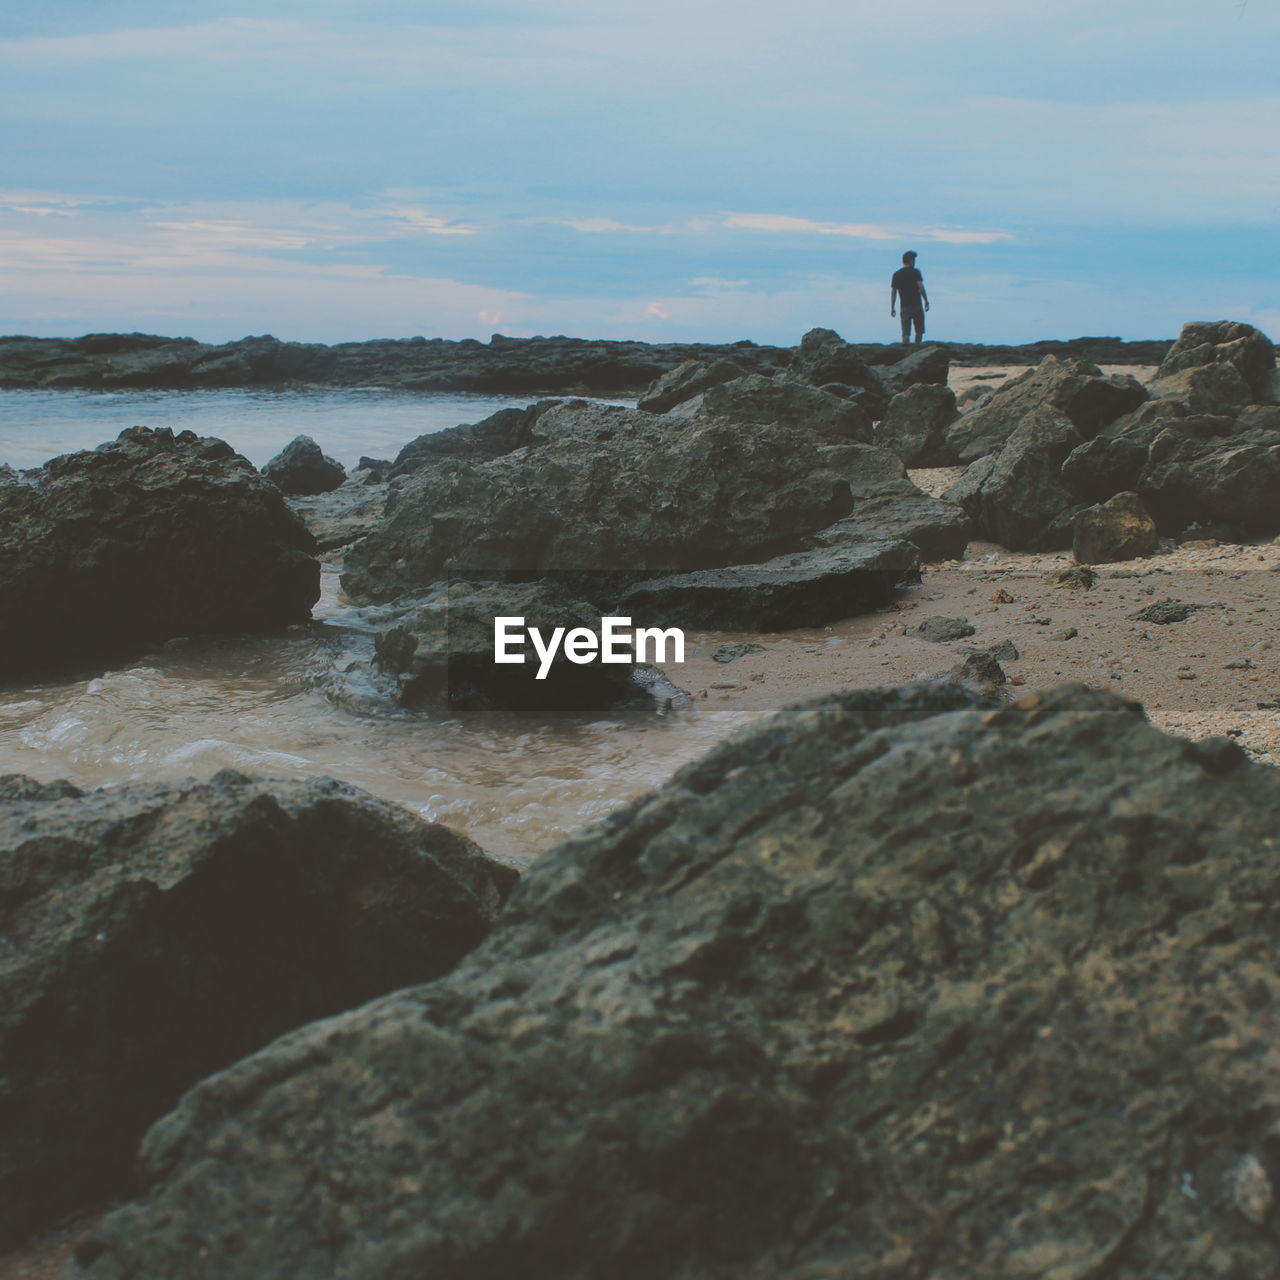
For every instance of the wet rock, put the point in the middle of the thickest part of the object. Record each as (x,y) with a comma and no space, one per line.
(1016,497)
(686,381)
(803,589)
(915,426)
(153,934)
(339,518)
(1119,529)
(146,538)
(1078,390)
(610,489)
(925,366)
(301,468)
(1245,349)
(900,982)
(440,649)
(755,399)
(940,630)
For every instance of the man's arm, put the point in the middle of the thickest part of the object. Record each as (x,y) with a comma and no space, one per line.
(893,299)
(924,297)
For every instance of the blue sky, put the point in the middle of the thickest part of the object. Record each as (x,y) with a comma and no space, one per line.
(675,170)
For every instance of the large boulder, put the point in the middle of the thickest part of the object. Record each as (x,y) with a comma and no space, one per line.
(804,589)
(149,537)
(440,648)
(901,983)
(686,381)
(1088,398)
(757,399)
(1210,388)
(925,366)
(499,433)
(1119,529)
(915,426)
(1017,497)
(611,489)
(1212,342)
(154,934)
(301,468)
(1111,461)
(1206,469)
(340,517)
(823,356)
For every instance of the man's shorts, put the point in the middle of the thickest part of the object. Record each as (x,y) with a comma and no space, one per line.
(912,316)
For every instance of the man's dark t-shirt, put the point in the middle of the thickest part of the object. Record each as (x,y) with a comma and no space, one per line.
(907,281)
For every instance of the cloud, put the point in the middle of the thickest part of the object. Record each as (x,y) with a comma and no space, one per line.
(779,222)
(598,225)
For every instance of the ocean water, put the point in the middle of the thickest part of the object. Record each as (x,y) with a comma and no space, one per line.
(345,423)
(191,707)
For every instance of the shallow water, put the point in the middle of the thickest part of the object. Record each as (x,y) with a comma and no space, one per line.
(345,422)
(195,706)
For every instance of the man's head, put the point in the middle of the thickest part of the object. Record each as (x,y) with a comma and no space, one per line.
(909,258)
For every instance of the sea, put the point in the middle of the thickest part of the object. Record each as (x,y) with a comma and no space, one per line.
(262,704)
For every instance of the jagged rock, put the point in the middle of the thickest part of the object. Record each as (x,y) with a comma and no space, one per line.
(1119,529)
(301,468)
(1088,398)
(149,537)
(441,648)
(500,433)
(1111,462)
(154,934)
(900,983)
(686,381)
(824,356)
(756,399)
(339,518)
(1016,497)
(888,507)
(1206,469)
(612,489)
(915,426)
(925,366)
(1211,388)
(1223,342)
(804,589)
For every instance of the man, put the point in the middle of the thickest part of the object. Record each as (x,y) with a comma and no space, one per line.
(906,290)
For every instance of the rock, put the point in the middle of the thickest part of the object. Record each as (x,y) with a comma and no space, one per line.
(1165,612)
(339,518)
(1118,529)
(1068,633)
(146,538)
(1112,461)
(888,507)
(1223,342)
(901,982)
(500,433)
(915,426)
(610,489)
(1080,391)
(803,589)
(732,652)
(686,381)
(154,934)
(940,630)
(372,470)
(755,399)
(300,468)
(925,366)
(440,649)
(1077,577)
(1206,469)
(980,672)
(1213,388)
(1016,497)
(824,356)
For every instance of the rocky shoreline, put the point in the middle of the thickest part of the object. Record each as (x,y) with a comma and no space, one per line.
(502,365)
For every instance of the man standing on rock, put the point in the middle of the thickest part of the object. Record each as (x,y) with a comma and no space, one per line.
(906,290)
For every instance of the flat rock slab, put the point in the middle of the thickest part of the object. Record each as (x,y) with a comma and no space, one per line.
(807,589)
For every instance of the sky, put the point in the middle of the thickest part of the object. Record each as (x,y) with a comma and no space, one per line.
(672,170)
